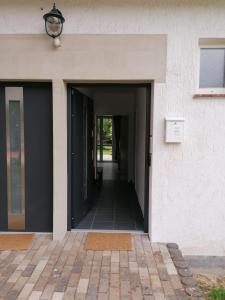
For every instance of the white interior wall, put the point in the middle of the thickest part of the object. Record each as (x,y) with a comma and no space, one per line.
(140,138)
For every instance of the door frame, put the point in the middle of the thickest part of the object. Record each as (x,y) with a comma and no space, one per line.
(148,156)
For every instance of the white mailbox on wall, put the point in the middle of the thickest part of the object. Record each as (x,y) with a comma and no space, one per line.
(174,130)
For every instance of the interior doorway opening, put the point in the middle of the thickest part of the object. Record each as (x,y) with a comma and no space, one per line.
(109,159)
(104,134)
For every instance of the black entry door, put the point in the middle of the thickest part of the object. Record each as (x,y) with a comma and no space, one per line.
(77,156)
(26,159)
(90,153)
(38,158)
(82,164)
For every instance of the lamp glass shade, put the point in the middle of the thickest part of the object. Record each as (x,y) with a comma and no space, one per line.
(53,26)
(54,22)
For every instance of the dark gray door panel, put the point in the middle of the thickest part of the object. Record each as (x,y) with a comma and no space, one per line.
(90,152)
(37,105)
(38,158)
(82,160)
(77,156)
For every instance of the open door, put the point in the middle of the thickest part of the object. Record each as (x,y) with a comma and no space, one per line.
(121,162)
(90,153)
(77,188)
(82,164)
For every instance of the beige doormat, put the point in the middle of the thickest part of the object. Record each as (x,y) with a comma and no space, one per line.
(15,241)
(108,241)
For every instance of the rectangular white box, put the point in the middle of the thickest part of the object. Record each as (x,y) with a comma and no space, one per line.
(174,130)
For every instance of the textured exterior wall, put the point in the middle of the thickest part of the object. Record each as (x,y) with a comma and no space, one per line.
(188,180)
(60,170)
(83,57)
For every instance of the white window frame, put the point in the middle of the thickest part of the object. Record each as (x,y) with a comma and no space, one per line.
(207,44)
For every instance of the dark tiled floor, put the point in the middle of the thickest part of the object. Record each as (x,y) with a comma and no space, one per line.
(111,171)
(116,208)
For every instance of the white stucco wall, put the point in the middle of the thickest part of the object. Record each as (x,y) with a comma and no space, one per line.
(188,187)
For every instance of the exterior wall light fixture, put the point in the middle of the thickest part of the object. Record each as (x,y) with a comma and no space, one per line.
(54,24)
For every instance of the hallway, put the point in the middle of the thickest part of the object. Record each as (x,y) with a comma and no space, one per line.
(108,160)
(116,208)
(111,171)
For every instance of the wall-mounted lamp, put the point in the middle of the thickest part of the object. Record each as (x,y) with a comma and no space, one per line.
(54,25)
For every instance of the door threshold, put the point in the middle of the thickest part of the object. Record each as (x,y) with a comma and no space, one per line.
(27,232)
(108,231)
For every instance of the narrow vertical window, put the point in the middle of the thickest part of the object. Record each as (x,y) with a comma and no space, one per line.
(15,158)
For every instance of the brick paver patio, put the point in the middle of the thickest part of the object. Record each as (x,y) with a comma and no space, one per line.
(64,270)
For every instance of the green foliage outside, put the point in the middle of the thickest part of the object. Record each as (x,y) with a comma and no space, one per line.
(107,129)
(107,150)
(106,137)
(216,294)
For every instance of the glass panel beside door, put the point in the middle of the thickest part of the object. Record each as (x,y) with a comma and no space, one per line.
(15,158)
